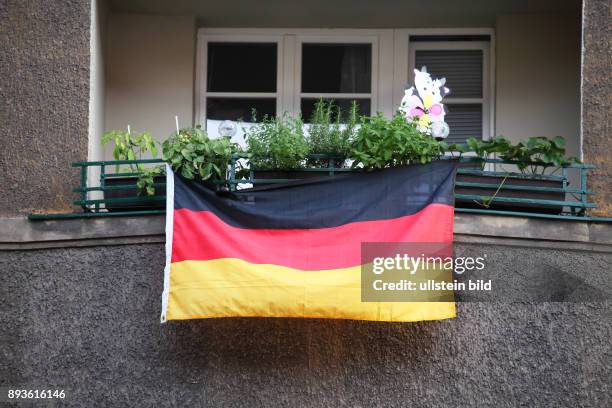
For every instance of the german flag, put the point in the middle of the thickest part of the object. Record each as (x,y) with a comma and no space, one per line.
(294,250)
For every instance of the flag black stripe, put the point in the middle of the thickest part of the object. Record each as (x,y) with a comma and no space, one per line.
(325,202)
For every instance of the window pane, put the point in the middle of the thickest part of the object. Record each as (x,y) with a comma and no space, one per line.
(461,68)
(464,121)
(307,106)
(239,108)
(241,67)
(336,68)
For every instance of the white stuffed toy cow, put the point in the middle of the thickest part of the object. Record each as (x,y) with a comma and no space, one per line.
(422,103)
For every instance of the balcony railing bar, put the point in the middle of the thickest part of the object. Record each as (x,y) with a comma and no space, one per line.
(575,209)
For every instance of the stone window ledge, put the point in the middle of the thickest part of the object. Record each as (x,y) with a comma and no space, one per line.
(20,233)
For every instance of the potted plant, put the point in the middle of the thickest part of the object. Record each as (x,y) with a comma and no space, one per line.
(132,146)
(382,142)
(532,158)
(277,148)
(329,135)
(193,155)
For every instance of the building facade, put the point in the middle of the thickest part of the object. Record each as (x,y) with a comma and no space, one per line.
(81,297)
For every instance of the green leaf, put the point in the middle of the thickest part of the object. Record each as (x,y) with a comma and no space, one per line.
(187,172)
(559,142)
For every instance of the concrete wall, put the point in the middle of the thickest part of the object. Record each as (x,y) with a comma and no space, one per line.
(88,319)
(149,72)
(44,82)
(597,100)
(538,77)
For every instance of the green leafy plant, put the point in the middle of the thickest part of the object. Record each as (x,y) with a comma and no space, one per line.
(484,148)
(329,133)
(277,143)
(146,181)
(132,146)
(529,155)
(381,143)
(193,154)
(540,151)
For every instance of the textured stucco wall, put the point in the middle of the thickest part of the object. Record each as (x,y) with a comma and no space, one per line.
(44,83)
(87,319)
(597,99)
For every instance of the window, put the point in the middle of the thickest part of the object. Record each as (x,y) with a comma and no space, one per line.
(338,72)
(236,75)
(276,70)
(465,64)
(234,85)
(288,70)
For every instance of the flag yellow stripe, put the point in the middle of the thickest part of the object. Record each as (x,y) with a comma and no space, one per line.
(233,287)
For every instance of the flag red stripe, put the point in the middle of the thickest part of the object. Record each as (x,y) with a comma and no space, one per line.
(201,235)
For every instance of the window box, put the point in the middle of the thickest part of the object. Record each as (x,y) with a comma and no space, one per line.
(263,175)
(524,189)
(125,189)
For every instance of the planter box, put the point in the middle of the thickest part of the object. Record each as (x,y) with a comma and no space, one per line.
(504,193)
(288,174)
(132,192)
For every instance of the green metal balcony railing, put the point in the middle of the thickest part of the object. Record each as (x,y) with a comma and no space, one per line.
(489,189)
(99,206)
(572,202)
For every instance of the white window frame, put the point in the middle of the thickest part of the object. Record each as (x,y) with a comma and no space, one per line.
(460,45)
(289,42)
(337,39)
(202,93)
(404,51)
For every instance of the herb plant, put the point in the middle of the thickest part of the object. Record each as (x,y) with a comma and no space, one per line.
(381,143)
(328,132)
(277,143)
(132,146)
(193,154)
